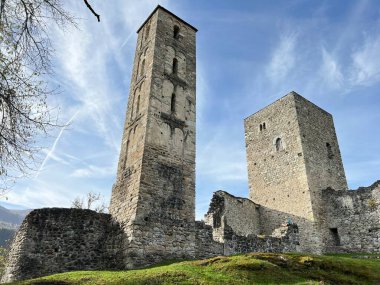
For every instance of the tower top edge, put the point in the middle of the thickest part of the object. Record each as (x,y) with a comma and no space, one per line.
(170,13)
(290,94)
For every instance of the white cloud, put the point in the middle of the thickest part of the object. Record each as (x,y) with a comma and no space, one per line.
(89,62)
(330,70)
(222,161)
(366,63)
(41,194)
(283,58)
(93,171)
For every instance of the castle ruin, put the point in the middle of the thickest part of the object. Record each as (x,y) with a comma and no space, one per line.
(298,197)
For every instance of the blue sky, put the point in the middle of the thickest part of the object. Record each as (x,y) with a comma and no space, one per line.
(249,53)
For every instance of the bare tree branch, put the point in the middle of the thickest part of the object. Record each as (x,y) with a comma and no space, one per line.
(25,58)
(92,10)
(92,201)
(25,54)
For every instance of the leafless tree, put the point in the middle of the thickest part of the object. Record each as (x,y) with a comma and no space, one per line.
(25,54)
(92,201)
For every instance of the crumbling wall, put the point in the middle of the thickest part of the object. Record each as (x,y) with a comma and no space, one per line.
(283,239)
(352,219)
(205,246)
(271,219)
(240,214)
(54,240)
(235,224)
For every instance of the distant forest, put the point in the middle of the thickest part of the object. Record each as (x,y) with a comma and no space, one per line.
(6,236)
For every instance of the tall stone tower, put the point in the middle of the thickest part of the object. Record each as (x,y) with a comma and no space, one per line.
(292,154)
(154,194)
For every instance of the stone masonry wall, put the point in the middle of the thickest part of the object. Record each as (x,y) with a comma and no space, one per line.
(125,193)
(283,239)
(54,240)
(234,223)
(240,214)
(352,219)
(205,246)
(154,195)
(277,172)
(320,150)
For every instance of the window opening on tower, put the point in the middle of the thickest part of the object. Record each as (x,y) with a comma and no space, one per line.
(176,32)
(279,144)
(175,66)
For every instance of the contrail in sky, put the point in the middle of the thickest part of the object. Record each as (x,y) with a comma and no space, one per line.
(51,151)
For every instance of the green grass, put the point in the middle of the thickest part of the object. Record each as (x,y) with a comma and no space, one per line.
(255,268)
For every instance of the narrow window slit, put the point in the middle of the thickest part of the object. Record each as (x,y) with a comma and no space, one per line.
(279,144)
(175,66)
(176,32)
(172,104)
(142,68)
(330,153)
(138,105)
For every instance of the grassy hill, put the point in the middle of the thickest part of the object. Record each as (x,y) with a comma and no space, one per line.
(255,268)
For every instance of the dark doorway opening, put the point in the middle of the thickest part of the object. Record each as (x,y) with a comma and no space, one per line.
(335,236)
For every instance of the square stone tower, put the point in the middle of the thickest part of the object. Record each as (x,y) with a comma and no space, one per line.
(154,194)
(292,154)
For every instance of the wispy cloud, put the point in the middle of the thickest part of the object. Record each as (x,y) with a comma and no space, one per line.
(93,66)
(330,71)
(283,58)
(320,57)
(366,62)
(93,171)
(222,161)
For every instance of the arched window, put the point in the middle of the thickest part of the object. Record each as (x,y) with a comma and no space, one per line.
(142,67)
(264,127)
(278,144)
(176,32)
(175,66)
(330,153)
(172,103)
(138,105)
(261,127)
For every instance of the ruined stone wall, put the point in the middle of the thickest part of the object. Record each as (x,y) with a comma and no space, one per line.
(352,219)
(240,214)
(205,246)
(285,239)
(54,240)
(234,223)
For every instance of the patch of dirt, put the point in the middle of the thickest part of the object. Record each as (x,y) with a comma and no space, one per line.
(211,261)
(48,282)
